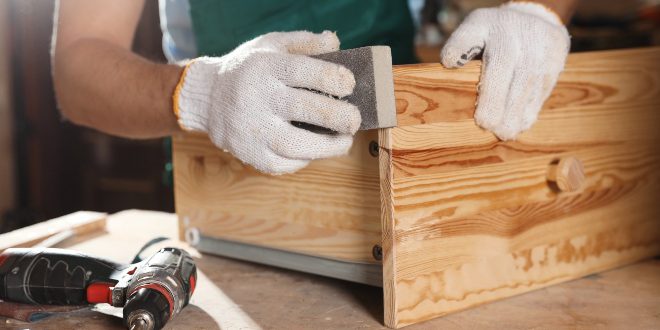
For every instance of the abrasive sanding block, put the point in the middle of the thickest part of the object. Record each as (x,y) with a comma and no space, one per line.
(374,84)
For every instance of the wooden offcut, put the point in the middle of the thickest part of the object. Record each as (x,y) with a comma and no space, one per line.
(461,217)
(77,223)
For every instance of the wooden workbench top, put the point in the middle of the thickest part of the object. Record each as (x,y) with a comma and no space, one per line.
(238,295)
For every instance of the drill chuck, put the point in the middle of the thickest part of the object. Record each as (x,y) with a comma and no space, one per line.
(147,309)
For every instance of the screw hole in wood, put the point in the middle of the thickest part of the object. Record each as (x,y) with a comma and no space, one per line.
(373,148)
(377,252)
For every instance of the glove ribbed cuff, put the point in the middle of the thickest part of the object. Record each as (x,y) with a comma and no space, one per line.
(192,96)
(536,9)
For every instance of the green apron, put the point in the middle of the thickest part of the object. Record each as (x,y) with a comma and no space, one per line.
(221,25)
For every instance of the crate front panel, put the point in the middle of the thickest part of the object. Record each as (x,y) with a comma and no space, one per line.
(468,219)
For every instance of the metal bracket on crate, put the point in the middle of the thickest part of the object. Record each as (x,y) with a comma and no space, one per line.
(370,274)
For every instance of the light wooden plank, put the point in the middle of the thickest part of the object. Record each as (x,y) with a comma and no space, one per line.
(436,131)
(329,209)
(425,199)
(586,125)
(473,219)
(388,227)
(428,93)
(482,268)
(81,223)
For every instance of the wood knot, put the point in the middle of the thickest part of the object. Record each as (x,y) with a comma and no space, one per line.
(567,173)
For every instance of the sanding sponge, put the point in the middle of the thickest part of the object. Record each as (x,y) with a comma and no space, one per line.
(374,85)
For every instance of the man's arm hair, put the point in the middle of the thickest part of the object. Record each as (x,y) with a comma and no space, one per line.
(99,82)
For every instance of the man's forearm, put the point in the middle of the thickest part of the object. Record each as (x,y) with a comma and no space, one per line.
(563,8)
(103,86)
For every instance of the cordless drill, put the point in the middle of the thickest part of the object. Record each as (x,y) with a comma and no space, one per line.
(151,292)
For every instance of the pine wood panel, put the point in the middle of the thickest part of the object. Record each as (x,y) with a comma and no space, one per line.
(435,112)
(428,93)
(434,197)
(468,219)
(330,209)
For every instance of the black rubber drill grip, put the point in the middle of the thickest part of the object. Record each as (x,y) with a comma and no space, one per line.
(51,276)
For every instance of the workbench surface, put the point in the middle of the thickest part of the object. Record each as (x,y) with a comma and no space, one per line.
(239,295)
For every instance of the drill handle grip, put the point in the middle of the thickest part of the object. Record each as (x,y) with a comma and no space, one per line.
(51,276)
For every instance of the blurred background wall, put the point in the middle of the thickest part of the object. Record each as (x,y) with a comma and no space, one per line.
(596,25)
(7,184)
(49,167)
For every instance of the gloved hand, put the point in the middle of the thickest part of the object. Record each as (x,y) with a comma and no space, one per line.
(246,100)
(525,46)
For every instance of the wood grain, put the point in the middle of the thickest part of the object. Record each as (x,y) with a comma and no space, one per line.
(81,222)
(330,209)
(567,174)
(472,219)
(435,108)
(388,227)
(428,93)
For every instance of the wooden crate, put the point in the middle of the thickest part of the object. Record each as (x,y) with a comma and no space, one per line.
(458,217)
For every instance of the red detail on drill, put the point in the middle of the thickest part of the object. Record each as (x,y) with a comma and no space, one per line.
(99,292)
(3,258)
(132,271)
(162,291)
(192,281)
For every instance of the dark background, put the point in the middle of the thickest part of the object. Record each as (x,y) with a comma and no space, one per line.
(60,167)
(49,167)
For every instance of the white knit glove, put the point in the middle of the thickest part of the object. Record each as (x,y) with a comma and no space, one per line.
(525,46)
(246,100)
